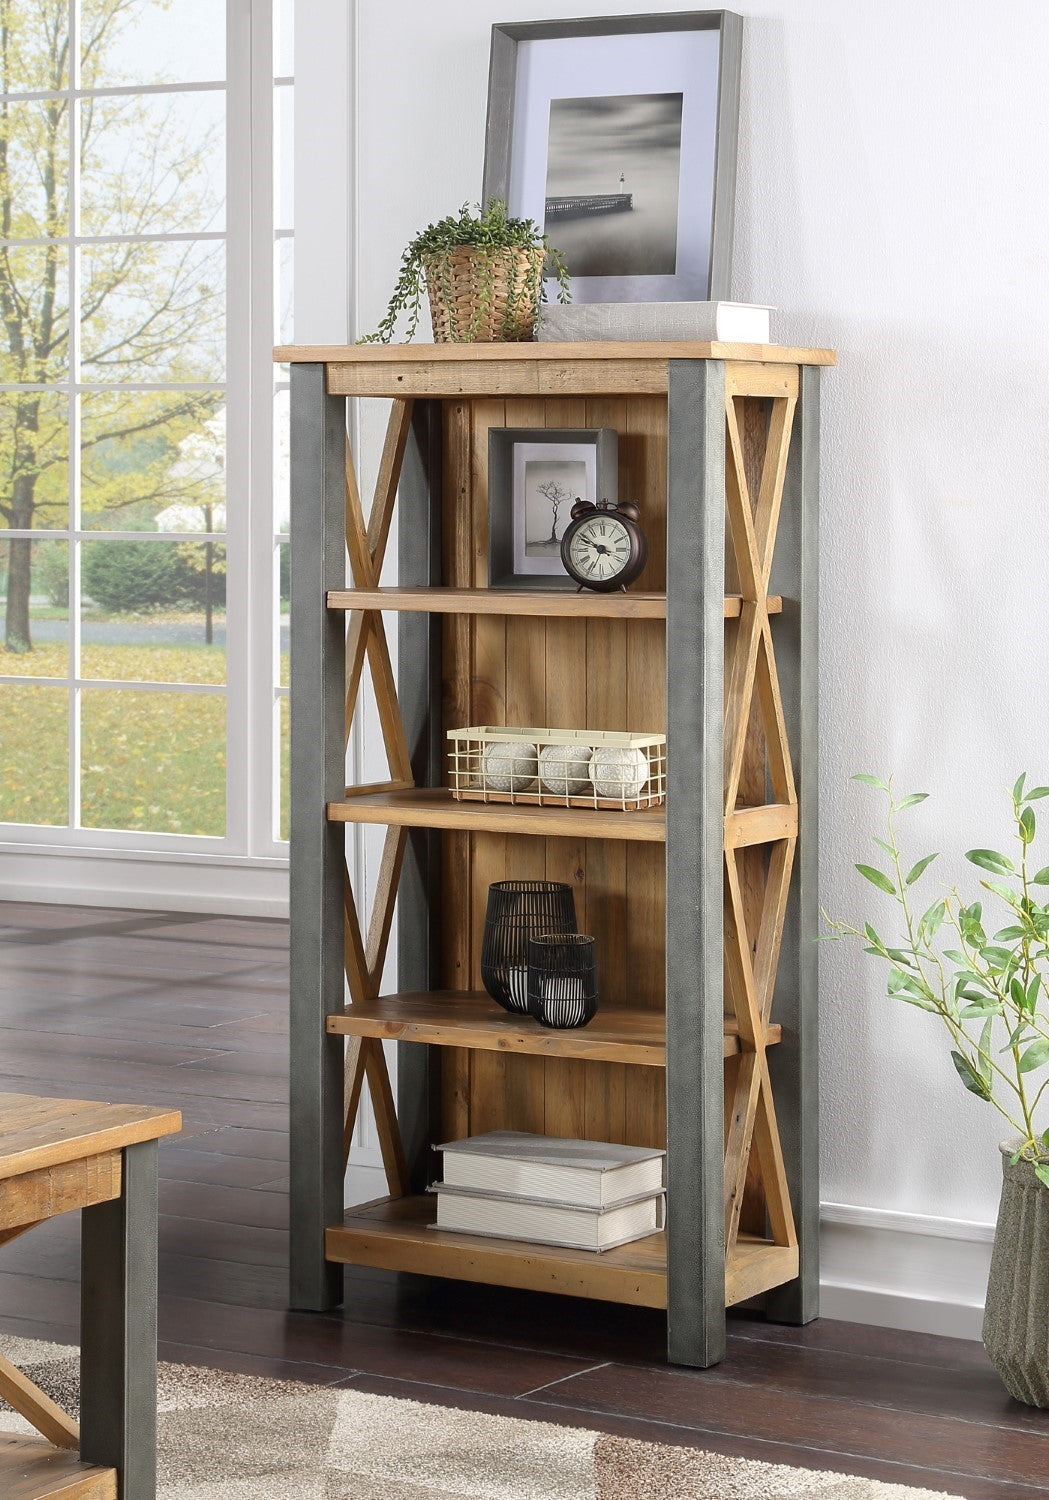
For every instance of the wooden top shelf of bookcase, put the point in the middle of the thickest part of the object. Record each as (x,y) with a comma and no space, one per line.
(556,602)
(469,1018)
(541,369)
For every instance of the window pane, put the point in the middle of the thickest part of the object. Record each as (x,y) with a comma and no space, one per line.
(153,611)
(152,41)
(284,614)
(284,282)
(36,138)
(34,598)
(34,284)
(284,38)
(154,164)
(284,156)
(154,312)
(285,762)
(153,761)
(34,461)
(281,460)
(36,54)
(34,734)
(153,461)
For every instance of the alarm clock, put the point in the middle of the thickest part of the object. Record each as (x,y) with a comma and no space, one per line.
(603,547)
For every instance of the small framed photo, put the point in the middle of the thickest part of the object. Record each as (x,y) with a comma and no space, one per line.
(618,136)
(535,476)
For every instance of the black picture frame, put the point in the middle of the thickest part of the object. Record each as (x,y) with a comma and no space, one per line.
(510,451)
(505,179)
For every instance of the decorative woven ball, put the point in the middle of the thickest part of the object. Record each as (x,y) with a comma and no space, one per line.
(510,767)
(565,769)
(619,772)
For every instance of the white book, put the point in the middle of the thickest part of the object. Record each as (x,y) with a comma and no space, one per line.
(576,1228)
(586,1174)
(656,322)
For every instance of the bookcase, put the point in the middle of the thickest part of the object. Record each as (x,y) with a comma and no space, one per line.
(704,910)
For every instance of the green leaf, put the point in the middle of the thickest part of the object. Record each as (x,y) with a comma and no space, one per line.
(871,780)
(911,801)
(987,859)
(983,1060)
(916,871)
(1039,791)
(1018,788)
(1009,935)
(1032,993)
(881,843)
(1042,878)
(1041,1171)
(980,1008)
(998,958)
(877,878)
(1018,993)
(1045,1139)
(1027,825)
(1000,888)
(968,1075)
(917,1000)
(873,937)
(1036,1056)
(933,919)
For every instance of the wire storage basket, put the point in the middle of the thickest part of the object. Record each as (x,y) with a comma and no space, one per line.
(517,910)
(557,767)
(562,979)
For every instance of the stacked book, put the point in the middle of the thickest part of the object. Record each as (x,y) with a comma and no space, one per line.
(586,1195)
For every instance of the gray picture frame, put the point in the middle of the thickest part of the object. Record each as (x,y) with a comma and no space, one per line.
(499,136)
(506,499)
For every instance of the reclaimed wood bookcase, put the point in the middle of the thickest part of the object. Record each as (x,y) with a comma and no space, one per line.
(704,910)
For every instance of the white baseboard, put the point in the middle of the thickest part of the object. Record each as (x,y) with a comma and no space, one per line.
(214,885)
(899,1270)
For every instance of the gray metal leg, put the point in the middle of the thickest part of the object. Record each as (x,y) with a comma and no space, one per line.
(794,1064)
(695,845)
(318,776)
(118,1328)
(419,691)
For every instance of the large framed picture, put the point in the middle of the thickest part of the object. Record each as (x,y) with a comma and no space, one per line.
(535,476)
(618,136)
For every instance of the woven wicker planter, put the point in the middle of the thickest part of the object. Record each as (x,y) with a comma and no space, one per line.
(1016,1320)
(484,296)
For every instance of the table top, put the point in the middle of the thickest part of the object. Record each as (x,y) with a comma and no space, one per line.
(36,1133)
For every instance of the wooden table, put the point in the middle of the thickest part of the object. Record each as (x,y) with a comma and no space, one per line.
(57,1155)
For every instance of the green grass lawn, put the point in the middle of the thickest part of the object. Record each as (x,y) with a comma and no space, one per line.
(150,761)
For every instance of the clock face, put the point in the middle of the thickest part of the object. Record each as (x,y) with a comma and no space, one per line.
(599,549)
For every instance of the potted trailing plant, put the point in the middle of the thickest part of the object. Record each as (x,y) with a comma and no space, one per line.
(483,273)
(984,975)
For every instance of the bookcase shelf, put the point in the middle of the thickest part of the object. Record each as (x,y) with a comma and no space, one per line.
(399,1234)
(471,1019)
(550,603)
(704,910)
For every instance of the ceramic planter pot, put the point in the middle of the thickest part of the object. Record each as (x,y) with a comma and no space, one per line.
(1016,1320)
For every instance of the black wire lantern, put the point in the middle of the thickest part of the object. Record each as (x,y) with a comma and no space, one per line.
(562,979)
(517,910)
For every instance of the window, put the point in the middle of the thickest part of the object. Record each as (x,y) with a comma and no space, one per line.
(145,150)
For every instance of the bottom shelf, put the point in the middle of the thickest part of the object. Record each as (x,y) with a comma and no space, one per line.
(397,1234)
(30,1469)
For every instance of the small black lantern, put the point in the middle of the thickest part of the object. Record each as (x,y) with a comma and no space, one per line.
(517,910)
(562,979)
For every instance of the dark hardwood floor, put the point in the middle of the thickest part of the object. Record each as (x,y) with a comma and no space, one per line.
(190,1011)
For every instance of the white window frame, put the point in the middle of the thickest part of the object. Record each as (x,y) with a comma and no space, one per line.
(252,644)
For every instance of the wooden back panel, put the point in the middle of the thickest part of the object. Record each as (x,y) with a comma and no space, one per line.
(592,674)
